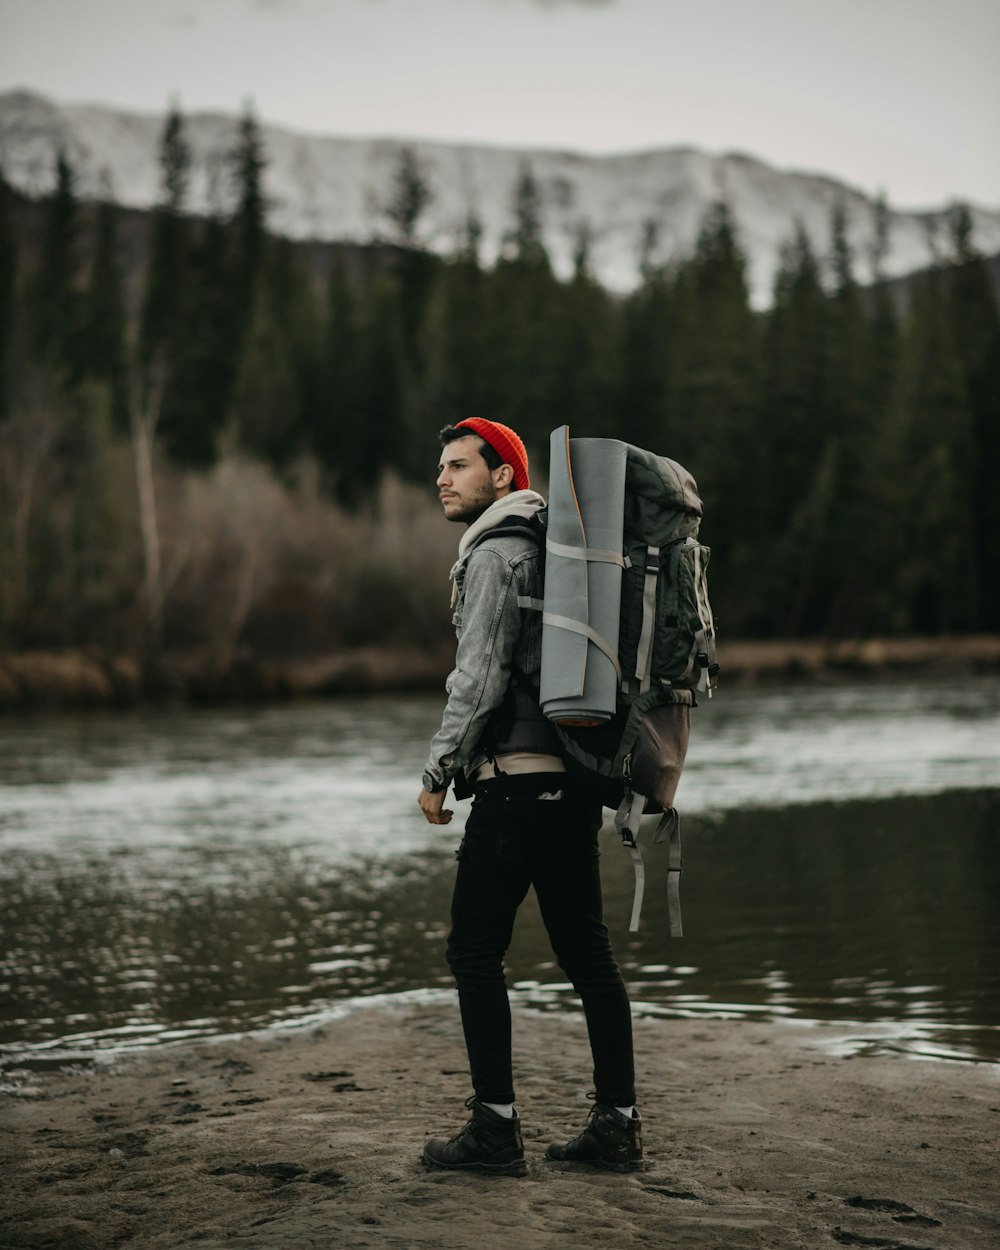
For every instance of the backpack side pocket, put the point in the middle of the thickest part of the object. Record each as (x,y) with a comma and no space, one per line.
(685,629)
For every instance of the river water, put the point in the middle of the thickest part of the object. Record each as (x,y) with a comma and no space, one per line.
(194,872)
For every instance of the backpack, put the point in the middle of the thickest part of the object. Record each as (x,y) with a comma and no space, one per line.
(630,753)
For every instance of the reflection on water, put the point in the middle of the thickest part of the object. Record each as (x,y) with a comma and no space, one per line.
(187,790)
(202,872)
(91,955)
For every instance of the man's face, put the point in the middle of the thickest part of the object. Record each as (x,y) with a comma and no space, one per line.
(465,484)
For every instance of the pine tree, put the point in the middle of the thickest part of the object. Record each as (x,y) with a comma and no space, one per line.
(410,197)
(247,260)
(648,326)
(646,352)
(881,232)
(845,385)
(164,298)
(8,279)
(338,431)
(199,403)
(795,334)
(850,419)
(266,403)
(225,268)
(585,330)
(861,606)
(793,460)
(250,217)
(379,435)
(54,302)
(928,473)
(715,392)
(975,319)
(454,343)
(463,287)
(521,369)
(302,304)
(104,328)
(524,243)
(165,356)
(883,326)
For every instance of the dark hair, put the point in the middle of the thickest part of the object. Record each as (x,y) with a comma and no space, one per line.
(492,457)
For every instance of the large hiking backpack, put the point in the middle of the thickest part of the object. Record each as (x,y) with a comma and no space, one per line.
(631,757)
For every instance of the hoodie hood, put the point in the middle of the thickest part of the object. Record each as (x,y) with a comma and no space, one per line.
(519,503)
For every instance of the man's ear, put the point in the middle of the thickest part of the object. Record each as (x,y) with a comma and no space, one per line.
(503,477)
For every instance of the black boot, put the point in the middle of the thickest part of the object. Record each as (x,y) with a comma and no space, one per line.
(488,1143)
(608,1140)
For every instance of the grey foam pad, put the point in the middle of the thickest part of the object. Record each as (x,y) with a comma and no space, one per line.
(586,509)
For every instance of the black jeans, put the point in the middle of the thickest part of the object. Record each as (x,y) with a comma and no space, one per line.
(515,839)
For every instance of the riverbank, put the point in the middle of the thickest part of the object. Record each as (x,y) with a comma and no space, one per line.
(90,679)
(757,1135)
(69,679)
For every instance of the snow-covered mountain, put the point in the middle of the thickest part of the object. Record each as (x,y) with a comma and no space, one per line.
(336,189)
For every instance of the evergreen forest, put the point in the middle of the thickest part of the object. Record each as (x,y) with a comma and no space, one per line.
(214,438)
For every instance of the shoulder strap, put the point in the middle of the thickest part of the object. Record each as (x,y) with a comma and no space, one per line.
(530,527)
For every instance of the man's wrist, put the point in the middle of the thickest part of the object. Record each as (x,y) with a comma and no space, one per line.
(432,784)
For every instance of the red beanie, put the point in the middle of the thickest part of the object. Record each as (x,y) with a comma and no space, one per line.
(505,443)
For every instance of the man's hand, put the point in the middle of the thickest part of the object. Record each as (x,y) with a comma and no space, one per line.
(432,806)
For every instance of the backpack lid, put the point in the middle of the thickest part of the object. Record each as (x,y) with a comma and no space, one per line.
(662,502)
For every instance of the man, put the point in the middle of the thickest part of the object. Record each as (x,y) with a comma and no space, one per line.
(529,826)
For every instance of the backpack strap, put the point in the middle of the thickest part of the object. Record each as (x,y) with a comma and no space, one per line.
(703,647)
(669,831)
(576,627)
(509,526)
(644,651)
(587,553)
(627,820)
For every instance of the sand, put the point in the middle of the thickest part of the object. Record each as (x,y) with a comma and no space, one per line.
(757,1135)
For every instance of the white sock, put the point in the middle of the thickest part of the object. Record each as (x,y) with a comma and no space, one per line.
(506,1109)
(626,1111)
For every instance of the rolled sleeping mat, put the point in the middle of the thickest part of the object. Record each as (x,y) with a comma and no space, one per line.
(580,674)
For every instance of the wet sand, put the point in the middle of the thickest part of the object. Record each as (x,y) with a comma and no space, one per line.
(757,1135)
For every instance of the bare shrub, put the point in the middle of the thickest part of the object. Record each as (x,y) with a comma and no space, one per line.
(27,470)
(281,569)
(248,563)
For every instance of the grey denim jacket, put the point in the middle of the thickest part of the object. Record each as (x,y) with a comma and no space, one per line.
(493,633)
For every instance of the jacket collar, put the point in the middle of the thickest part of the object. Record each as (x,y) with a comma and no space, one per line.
(519,503)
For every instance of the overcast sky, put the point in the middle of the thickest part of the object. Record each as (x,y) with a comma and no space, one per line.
(894,95)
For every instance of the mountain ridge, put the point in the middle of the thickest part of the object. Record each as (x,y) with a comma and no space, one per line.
(336,188)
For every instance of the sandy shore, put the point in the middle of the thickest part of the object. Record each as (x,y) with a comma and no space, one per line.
(757,1135)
